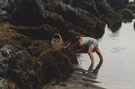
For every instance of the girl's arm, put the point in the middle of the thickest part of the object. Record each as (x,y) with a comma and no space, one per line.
(67,45)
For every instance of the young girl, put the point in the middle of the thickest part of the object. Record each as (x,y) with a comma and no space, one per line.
(89,44)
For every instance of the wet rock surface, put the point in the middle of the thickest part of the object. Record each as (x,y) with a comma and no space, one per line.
(79,79)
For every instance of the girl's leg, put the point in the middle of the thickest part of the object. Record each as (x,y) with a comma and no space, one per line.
(99,54)
(91,58)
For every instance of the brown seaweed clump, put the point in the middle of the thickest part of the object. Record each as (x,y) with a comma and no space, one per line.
(13,38)
(9,36)
(37,46)
(54,65)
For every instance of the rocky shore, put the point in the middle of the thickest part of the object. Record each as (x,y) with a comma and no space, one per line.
(27,59)
(79,79)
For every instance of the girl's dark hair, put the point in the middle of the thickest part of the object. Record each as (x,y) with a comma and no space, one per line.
(75,39)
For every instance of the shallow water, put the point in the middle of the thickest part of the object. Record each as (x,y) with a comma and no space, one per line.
(118,49)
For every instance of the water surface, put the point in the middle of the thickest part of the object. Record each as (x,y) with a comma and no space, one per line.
(118,49)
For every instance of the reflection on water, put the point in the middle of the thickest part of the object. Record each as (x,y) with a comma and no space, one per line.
(118,69)
(96,70)
(85,64)
(134,25)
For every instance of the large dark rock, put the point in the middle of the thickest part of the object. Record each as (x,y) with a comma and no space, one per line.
(131,6)
(67,15)
(18,66)
(115,25)
(118,4)
(24,12)
(127,14)
(83,16)
(23,69)
(104,9)
(88,5)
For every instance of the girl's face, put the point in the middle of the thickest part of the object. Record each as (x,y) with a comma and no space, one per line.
(77,44)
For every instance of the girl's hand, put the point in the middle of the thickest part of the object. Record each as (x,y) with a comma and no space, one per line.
(82,46)
(64,47)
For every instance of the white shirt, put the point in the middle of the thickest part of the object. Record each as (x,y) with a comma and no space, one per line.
(88,42)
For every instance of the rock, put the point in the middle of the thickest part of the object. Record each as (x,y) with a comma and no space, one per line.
(127,14)
(21,58)
(8,50)
(46,31)
(3,13)
(3,4)
(3,84)
(115,25)
(105,9)
(27,10)
(18,67)
(3,65)
(84,16)
(6,84)
(23,69)
(118,4)
(131,6)
(6,54)
(87,5)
